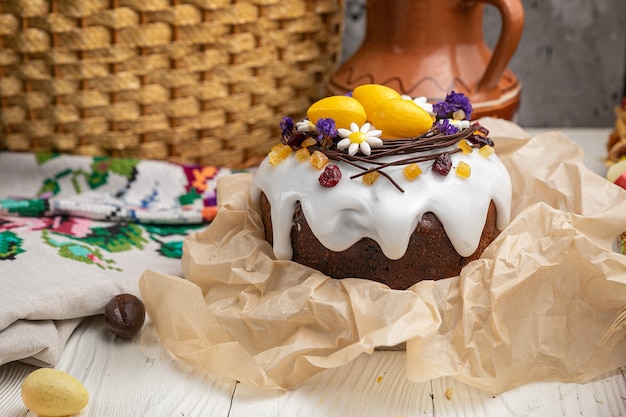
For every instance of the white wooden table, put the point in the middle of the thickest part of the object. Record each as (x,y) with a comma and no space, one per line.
(139,378)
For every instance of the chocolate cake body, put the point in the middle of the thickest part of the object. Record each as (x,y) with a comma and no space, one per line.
(430,255)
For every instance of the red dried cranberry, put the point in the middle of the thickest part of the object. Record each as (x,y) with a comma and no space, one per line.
(482,129)
(480,140)
(480,137)
(443,164)
(330,177)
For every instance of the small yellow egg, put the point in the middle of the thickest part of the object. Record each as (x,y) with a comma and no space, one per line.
(371,96)
(53,393)
(399,118)
(615,170)
(342,109)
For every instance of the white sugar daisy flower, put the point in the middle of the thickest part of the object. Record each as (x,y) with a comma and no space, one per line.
(363,139)
(422,102)
(461,124)
(306,126)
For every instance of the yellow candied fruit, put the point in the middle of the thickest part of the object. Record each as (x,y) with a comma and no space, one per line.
(308,142)
(279,153)
(282,149)
(274,158)
(464,146)
(303,154)
(486,151)
(463,170)
(412,171)
(318,160)
(371,177)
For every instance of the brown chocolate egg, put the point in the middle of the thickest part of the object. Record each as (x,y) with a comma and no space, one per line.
(124,315)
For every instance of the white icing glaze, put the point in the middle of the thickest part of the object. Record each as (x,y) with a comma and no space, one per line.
(340,216)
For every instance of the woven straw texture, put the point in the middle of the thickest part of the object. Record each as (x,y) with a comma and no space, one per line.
(193,81)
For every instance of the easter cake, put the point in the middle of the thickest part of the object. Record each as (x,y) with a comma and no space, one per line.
(416,197)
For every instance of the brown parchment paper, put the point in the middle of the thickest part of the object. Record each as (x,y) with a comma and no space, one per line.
(542,304)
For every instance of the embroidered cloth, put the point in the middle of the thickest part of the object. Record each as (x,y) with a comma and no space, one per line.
(77,230)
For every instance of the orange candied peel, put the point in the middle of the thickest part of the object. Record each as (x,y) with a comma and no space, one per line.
(371,177)
(463,170)
(412,171)
(318,160)
(464,146)
(486,151)
(279,153)
(308,142)
(302,154)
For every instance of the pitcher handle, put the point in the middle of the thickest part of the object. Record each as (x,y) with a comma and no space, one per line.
(512,13)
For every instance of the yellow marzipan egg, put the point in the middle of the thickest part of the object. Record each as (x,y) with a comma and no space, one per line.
(53,393)
(371,96)
(616,170)
(342,109)
(399,118)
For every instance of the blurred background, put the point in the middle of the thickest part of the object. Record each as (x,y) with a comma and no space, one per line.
(571,60)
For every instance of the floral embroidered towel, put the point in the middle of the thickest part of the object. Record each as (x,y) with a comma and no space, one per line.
(77,230)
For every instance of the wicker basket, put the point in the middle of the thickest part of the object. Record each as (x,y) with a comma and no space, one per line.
(194,81)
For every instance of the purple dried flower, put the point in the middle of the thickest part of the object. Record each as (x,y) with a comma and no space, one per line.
(326,128)
(327,131)
(444,126)
(454,102)
(286,126)
(441,109)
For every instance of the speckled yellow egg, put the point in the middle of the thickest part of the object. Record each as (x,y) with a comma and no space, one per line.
(342,109)
(399,118)
(615,170)
(53,393)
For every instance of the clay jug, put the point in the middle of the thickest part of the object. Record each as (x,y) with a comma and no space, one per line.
(429,47)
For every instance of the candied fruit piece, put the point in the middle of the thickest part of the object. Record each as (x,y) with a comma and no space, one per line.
(282,150)
(318,160)
(279,153)
(371,177)
(463,170)
(308,142)
(274,158)
(486,151)
(303,154)
(443,164)
(412,171)
(464,146)
(330,176)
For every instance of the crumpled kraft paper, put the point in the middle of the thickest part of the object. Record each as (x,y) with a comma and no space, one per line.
(542,304)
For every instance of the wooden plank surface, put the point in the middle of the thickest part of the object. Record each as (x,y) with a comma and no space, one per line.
(139,378)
